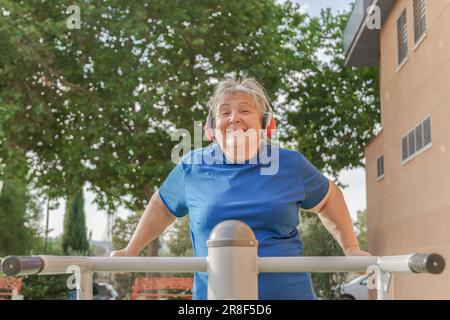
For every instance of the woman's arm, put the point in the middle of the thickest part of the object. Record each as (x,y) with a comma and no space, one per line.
(154,221)
(334,214)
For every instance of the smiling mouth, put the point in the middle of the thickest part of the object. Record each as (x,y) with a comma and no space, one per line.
(235,132)
(235,129)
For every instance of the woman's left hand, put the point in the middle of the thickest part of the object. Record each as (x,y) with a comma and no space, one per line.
(356,252)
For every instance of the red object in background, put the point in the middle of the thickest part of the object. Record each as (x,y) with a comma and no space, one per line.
(9,287)
(147,287)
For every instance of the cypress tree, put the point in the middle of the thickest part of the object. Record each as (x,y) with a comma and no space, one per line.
(74,235)
(15,236)
(17,233)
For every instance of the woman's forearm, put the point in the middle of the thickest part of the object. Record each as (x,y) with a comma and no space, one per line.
(336,219)
(155,219)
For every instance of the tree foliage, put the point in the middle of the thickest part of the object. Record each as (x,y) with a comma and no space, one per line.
(97,105)
(123,229)
(47,287)
(319,242)
(20,213)
(101,101)
(179,238)
(74,235)
(333,109)
(361,228)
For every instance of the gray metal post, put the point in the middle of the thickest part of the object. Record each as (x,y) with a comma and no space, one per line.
(81,280)
(382,281)
(383,284)
(84,290)
(232,262)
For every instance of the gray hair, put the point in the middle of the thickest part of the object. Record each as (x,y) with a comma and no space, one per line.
(244,85)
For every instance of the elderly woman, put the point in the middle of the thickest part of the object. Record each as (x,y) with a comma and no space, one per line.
(224,181)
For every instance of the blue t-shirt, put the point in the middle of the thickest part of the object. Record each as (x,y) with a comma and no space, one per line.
(212,191)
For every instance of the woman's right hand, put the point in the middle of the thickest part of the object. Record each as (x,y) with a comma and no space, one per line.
(122,253)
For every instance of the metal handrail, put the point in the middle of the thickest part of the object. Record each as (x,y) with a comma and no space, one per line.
(232,265)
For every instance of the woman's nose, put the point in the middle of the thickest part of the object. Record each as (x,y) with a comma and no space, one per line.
(234,117)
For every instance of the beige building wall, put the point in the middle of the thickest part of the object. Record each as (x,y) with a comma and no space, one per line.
(409,208)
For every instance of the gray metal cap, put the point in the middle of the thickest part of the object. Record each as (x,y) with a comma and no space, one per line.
(232,233)
(21,265)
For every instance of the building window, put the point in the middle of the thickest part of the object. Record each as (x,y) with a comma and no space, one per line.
(380,167)
(417,140)
(402,38)
(420,21)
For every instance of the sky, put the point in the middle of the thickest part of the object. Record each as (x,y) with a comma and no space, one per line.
(313,7)
(354,194)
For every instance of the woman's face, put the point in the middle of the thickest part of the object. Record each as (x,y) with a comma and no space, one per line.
(238,125)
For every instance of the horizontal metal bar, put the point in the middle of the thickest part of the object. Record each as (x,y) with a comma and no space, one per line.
(60,264)
(315,264)
(12,265)
(430,263)
(149,264)
(418,263)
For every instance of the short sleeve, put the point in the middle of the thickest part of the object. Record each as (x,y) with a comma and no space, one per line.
(172,191)
(315,184)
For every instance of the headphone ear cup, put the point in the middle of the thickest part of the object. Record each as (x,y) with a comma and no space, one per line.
(264,120)
(268,123)
(209,128)
(272,126)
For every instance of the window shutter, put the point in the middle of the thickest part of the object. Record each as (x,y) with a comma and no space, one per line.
(402,37)
(420,22)
(404,148)
(380,166)
(411,143)
(427,131)
(417,139)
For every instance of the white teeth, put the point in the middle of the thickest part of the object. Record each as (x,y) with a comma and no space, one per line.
(237,131)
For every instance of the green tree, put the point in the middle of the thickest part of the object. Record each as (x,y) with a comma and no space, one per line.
(178,238)
(74,234)
(319,242)
(123,230)
(101,101)
(332,110)
(16,235)
(361,228)
(47,287)
(19,213)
